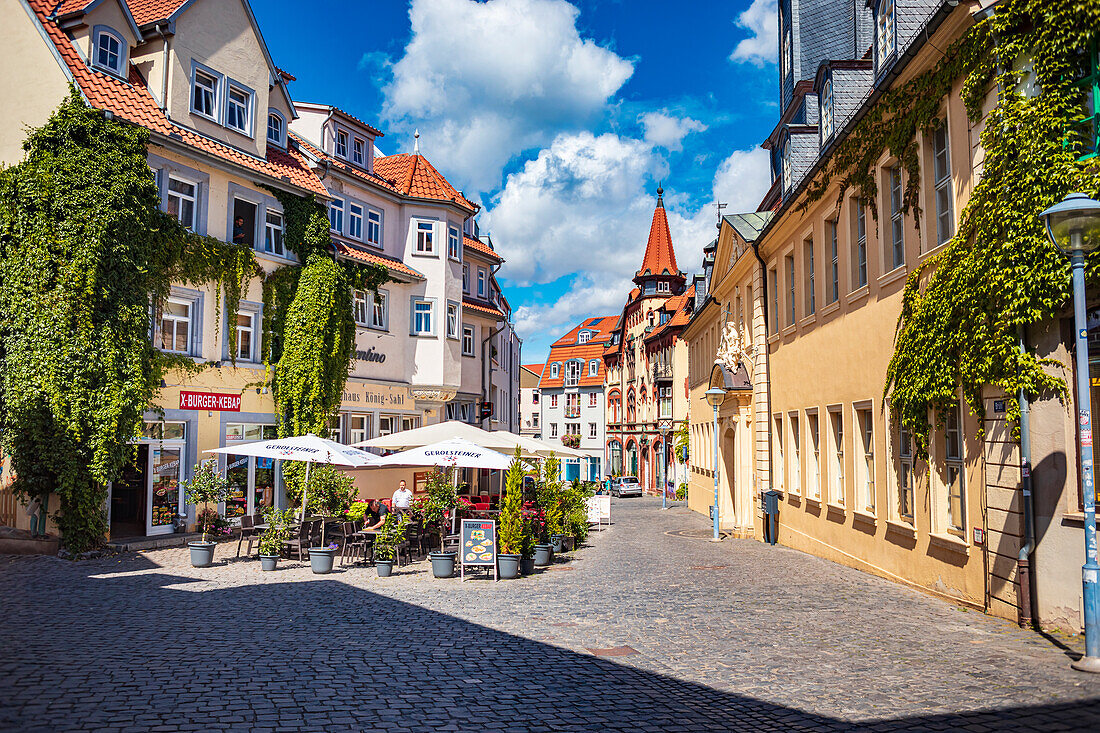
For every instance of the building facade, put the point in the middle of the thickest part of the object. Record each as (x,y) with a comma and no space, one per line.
(570,396)
(647,365)
(224,131)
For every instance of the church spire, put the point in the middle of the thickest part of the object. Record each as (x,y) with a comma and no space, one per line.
(660,257)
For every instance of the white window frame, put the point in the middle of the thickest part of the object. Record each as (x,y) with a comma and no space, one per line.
(792,290)
(553,430)
(942,187)
(593,399)
(358,435)
(355,220)
(336,215)
(189,320)
(859,254)
(593,368)
(452,320)
(466,279)
(864,420)
(826,110)
(810,273)
(593,431)
(358,150)
(210,93)
(954,446)
(906,477)
(360,307)
(245,108)
(251,331)
(421,317)
(777,452)
(120,53)
(380,311)
(885,32)
(425,238)
(181,196)
(834,256)
(897,224)
(794,453)
(467,340)
(274,233)
(482,282)
(788,173)
(280,137)
(583,337)
(572,373)
(836,455)
(454,243)
(341,144)
(554,370)
(813,473)
(374,227)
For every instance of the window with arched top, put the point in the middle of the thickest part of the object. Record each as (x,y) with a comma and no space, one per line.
(554,370)
(885,32)
(788,174)
(593,368)
(276,128)
(109,52)
(826,110)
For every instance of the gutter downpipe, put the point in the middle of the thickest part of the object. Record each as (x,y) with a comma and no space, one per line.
(167,68)
(1024,558)
(767,368)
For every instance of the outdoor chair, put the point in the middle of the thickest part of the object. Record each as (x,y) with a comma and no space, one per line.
(354,547)
(412,539)
(247,531)
(301,542)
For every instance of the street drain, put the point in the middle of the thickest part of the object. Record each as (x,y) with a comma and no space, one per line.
(615,651)
(695,534)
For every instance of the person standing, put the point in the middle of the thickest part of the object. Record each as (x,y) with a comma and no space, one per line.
(401,499)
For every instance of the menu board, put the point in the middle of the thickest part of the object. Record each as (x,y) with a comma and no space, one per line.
(479,542)
(599,509)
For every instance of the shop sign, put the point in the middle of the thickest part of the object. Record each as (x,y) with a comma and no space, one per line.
(478,544)
(370,355)
(210,401)
(364,395)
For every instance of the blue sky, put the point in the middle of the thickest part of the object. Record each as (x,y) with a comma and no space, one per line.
(559,119)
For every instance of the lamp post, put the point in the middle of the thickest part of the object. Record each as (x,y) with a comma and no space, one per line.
(715,397)
(1074,227)
(664,427)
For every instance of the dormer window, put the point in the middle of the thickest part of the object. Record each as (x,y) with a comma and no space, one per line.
(826,110)
(583,337)
(205,94)
(554,370)
(786,55)
(662,287)
(787,174)
(276,129)
(357,151)
(885,32)
(341,144)
(238,109)
(593,370)
(109,50)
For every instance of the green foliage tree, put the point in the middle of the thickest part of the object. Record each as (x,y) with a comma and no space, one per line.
(441,500)
(390,535)
(549,494)
(277,532)
(84,252)
(512,529)
(207,488)
(683,442)
(331,491)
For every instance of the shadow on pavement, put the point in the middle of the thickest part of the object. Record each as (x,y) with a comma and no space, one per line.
(141,650)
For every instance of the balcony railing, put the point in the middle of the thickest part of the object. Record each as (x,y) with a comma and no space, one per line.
(662,371)
(572,410)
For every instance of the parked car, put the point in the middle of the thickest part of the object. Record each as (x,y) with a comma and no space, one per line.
(626,486)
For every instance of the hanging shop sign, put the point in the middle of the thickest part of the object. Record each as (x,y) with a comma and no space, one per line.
(478,544)
(210,401)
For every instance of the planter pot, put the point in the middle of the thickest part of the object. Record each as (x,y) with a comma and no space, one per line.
(544,555)
(556,542)
(320,559)
(443,564)
(268,562)
(385,568)
(569,543)
(202,554)
(508,566)
(527,565)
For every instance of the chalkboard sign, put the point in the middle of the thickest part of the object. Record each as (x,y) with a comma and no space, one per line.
(478,544)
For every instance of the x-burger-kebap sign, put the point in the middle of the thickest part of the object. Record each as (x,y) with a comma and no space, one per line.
(210,401)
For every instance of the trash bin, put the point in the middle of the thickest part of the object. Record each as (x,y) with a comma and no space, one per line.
(771,516)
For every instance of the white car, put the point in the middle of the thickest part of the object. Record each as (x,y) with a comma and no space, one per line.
(626,486)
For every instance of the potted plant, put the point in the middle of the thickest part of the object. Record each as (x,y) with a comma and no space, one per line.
(209,488)
(331,492)
(533,524)
(390,535)
(272,539)
(511,530)
(442,499)
(549,500)
(571,440)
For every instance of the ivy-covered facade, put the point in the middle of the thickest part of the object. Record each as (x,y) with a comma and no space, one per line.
(881,290)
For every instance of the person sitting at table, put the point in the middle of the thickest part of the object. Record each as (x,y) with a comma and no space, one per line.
(401,499)
(376,514)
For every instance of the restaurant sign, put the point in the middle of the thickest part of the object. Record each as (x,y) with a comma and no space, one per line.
(210,401)
(478,544)
(367,395)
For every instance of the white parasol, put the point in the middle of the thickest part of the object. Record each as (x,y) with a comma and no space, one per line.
(454,452)
(308,448)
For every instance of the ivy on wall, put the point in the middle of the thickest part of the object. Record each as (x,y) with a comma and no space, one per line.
(962,307)
(84,252)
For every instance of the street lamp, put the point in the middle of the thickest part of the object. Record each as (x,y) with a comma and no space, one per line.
(715,397)
(664,427)
(1074,227)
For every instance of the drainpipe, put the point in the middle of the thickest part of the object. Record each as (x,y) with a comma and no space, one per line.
(767,370)
(1024,558)
(166,45)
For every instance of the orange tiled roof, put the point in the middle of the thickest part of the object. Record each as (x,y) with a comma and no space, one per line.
(70,6)
(481,247)
(149,11)
(677,305)
(660,258)
(414,176)
(487,309)
(131,101)
(374,258)
(567,349)
(535,368)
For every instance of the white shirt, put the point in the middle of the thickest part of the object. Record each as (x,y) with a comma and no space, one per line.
(401,499)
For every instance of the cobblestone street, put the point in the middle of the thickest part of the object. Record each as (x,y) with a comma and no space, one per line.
(641,630)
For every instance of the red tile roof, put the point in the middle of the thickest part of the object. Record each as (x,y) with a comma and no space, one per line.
(536,368)
(486,309)
(131,101)
(342,165)
(149,11)
(414,176)
(678,306)
(660,258)
(374,258)
(478,246)
(567,349)
(70,6)
(370,128)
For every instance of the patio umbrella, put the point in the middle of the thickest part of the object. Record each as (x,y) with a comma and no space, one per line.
(308,448)
(455,452)
(496,439)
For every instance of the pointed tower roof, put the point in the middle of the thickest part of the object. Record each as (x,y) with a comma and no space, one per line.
(660,257)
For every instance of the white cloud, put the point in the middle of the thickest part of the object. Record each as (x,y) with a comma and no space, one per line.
(586,297)
(762,47)
(667,131)
(485,81)
(742,179)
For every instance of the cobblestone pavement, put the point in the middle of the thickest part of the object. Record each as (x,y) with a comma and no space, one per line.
(703,637)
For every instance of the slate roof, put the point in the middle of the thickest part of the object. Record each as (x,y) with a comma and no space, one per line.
(130,100)
(414,176)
